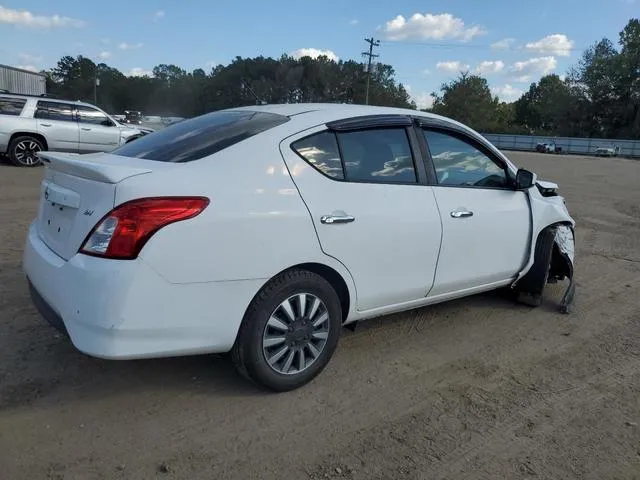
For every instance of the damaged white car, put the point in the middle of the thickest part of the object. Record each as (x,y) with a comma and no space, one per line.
(262,231)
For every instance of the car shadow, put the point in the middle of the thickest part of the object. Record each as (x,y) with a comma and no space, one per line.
(55,372)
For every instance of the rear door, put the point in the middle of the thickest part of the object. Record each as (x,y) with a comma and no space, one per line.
(486,222)
(56,121)
(98,133)
(365,188)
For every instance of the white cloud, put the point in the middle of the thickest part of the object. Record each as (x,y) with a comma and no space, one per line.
(314,53)
(452,67)
(507,93)
(426,71)
(26,57)
(25,18)
(504,44)
(430,27)
(31,68)
(523,71)
(140,72)
(104,55)
(105,41)
(159,15)
(489,66)
(130,46)
(355,21)
(557,44)
(423,99)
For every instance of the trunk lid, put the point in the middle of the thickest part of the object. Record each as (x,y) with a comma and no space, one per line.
(76,192)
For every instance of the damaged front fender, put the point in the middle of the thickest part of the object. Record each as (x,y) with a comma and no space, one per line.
(549,215)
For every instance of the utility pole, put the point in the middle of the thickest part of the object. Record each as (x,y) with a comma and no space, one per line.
(372,43)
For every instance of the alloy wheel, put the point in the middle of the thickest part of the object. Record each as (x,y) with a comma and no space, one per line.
(296,334)
(26,152)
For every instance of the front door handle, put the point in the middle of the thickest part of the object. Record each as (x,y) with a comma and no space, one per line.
(331,219)
(86,129)
(461,213)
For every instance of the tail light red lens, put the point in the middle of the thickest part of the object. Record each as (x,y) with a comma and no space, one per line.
(123,232)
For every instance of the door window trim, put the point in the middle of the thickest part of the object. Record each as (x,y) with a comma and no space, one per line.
(455,133)
(373,122)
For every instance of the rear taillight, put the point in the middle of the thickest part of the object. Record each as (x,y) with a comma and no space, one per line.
(123,231)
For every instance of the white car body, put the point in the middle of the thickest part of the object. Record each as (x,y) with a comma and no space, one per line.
(188,289)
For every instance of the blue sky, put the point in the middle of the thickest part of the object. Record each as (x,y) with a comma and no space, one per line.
(512,43)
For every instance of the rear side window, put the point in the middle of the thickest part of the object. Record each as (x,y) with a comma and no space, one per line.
(199,137)
(321,152)
(380,155)
(11,106)
(55,111)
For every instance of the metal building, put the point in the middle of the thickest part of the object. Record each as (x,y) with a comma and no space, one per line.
(17,80)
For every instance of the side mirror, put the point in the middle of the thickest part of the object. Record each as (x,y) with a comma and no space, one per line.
(107,123)
(524,179)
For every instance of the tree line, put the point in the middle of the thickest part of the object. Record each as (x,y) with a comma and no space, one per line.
(600,96)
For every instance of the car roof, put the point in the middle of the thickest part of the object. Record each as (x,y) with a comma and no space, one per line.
(45,98)
(329,112)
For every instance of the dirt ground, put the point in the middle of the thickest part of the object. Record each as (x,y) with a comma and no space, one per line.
(476,388)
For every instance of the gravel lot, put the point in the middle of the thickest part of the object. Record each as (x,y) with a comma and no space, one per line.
(476,388)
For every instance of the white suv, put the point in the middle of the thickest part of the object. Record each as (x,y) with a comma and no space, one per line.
(31,124)
(263,230)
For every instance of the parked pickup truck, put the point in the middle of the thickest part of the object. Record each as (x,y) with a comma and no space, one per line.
(30,124)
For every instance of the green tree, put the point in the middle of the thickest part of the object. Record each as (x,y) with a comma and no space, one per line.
(468,99)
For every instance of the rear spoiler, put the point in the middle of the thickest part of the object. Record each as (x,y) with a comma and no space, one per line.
(103,168)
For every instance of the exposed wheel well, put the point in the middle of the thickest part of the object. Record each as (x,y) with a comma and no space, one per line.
(334,278)
(30,134)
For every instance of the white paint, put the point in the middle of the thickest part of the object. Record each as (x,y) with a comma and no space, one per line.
(188,290)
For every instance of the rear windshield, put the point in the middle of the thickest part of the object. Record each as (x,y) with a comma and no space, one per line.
(199,137)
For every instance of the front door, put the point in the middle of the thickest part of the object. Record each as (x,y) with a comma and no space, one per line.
(486,223)
(56,122)
(97,132)
(367,195)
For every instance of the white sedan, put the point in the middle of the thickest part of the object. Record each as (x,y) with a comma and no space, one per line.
(262,231)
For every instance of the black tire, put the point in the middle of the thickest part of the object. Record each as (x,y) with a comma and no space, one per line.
(28,145)
(531,286)
(247,352)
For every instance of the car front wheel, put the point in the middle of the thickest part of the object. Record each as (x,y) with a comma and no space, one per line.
(289,332)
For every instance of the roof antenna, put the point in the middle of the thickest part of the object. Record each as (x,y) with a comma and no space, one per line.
(259,101)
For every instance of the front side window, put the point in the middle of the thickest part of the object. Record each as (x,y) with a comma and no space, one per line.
(377,156)
(11,106)
(93,116)
(201,136)
(459,163)
(55,111)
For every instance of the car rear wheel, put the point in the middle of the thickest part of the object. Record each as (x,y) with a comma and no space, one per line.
(23,151)
(289,332)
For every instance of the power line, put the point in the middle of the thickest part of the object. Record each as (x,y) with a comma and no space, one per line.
(372,43)
(476,46)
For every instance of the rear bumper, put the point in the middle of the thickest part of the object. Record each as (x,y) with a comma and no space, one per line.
(125,310)
(47,312)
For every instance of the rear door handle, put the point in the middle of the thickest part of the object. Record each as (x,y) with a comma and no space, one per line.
(331,219)
(45,124)
(461,213)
